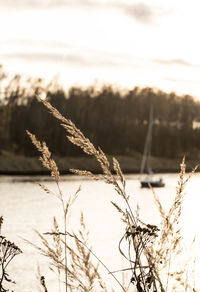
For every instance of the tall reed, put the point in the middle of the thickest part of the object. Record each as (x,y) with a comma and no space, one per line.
(79,270)
(149,251)
(144,275)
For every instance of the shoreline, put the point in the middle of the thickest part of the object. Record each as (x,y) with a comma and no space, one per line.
(46,173)
(12,165)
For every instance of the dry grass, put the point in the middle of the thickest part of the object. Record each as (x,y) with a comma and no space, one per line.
(170,246)
(71,257)
(8,251)
(149,252)
(141,265)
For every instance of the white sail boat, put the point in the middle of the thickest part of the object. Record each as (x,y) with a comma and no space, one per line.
(150,179)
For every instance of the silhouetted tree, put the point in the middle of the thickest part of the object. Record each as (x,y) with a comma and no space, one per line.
(116,121)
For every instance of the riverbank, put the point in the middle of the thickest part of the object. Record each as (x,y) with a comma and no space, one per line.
(11,164)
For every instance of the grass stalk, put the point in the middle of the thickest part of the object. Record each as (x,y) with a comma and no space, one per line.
(144,257)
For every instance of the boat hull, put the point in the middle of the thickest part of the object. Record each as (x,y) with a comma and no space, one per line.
(153,184)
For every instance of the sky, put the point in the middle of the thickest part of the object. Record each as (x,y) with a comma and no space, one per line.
(125,43)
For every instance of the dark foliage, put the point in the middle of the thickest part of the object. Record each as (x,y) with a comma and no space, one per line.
(103,115)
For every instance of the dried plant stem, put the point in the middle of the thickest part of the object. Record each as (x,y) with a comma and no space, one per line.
(42,281)
(65,242)
(8,251)
(65,237)
(138,242)
(146,259)
(90,250)
(168,269)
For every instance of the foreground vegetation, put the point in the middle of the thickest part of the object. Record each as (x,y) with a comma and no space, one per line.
(152,253)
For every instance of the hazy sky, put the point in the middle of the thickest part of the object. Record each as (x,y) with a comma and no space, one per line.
(126,43)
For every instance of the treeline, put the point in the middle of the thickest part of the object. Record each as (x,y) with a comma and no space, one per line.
(115,120)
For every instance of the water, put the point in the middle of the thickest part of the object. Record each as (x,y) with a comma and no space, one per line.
(26,207)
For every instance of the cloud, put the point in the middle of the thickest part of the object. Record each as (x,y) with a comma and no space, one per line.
(140,12)
(182,80)
(45,4)
(28,43)
(63,52)
(75,60)
(170,62)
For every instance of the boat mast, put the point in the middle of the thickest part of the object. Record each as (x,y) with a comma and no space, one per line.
(146,159)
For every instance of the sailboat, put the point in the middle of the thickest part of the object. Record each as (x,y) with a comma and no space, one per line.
(150,179)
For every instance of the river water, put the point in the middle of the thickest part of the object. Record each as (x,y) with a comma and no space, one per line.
(25,207)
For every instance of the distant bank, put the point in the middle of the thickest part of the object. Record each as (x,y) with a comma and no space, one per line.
(11,164)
